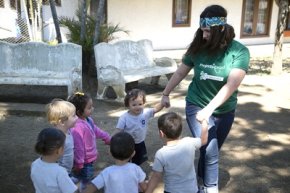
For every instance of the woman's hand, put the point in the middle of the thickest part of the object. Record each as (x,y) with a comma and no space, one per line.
(165,101)
(176,78)
(204,114)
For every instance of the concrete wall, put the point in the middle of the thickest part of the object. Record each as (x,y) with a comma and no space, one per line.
(67,8)
(151,19)
(146,19)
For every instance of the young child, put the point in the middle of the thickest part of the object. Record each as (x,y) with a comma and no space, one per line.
(175,160)
(135,122)
(47,176)
(85,133)
(62,115)
(123,177)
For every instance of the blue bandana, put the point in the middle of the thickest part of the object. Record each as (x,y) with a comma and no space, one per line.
(207,22)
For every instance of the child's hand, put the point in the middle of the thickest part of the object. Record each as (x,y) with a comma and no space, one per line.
(204,131)
(108,141)
(204,124)
(76,170)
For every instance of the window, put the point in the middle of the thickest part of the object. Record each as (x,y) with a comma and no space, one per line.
(256,18)
(181,13)
(1,3)
(287,30)
(288,22)
(13,4)
(57,2)
(288,19)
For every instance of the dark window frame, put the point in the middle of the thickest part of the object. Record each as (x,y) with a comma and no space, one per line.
(13,4)
(255,20)
(287,29)
(2,4)
(174,10)
(288,20)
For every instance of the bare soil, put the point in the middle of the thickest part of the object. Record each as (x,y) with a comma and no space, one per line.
(254,159)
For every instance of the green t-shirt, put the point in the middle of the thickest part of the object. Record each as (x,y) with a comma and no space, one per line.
(211,74)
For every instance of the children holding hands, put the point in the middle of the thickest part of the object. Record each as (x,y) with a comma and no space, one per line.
(73,145)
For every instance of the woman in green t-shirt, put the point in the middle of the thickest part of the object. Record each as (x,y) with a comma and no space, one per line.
(220,64)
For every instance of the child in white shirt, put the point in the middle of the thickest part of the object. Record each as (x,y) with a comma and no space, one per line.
(175,160)
(123,177)
(47,176)
(135,122)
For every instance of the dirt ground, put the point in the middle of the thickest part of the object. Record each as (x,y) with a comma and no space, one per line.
(254,159)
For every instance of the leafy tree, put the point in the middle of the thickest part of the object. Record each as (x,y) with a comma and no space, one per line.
(106,33)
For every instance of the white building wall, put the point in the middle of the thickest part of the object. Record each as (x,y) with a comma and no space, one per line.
(8,18)
(68,8)
(151,19)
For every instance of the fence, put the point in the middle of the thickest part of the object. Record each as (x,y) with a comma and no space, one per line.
(20,20)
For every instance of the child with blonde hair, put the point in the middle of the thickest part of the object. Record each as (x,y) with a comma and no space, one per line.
(62,115)
(47,176)
(85,132)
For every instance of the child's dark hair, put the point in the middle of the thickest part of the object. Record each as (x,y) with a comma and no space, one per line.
(170,124)
(48,140)
(80,101)
(122,146)
(133,94)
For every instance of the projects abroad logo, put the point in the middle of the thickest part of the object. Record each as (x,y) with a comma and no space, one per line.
(205,76)
(217,69)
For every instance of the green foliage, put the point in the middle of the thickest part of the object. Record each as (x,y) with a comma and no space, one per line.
(74,26)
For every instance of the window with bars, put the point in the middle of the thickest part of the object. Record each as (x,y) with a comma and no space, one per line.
(57,2)
(181,13)
(256,18)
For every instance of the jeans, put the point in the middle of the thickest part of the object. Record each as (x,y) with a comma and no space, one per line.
(220,126)
(86,173)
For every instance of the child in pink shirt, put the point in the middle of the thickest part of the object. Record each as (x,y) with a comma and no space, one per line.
(85,133)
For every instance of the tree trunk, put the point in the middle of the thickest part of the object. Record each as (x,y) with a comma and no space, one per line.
(281,25)
(83,20)
(100,14)
(39,18)
(55,20)
(31,17)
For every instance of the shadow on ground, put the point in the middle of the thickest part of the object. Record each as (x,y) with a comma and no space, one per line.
(254,159)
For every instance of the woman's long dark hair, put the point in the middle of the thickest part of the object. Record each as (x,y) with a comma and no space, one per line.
(220,36)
